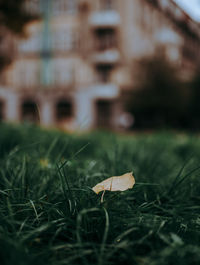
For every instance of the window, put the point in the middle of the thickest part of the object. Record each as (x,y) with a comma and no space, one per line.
(27,74)
(103,113)
(64,110)
(103,73)
(61,7)
(107,4)
(30,111)
(62,72)
(62,77)
(64,40)
(105,39)
(1,110)
(72,6)
(32,6)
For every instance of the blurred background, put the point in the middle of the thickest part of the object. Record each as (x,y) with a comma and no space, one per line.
(88,64)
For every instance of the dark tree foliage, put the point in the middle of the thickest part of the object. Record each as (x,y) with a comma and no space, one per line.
(13,15)
(4,60)
(194,106)
(13,18)
(158,100)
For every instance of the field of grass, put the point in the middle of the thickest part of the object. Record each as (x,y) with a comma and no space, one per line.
(49,214)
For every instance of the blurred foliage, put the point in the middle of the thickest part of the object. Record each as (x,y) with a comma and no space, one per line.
(13,15)
(4,60)
(194,106)
(160,98)
(13,18)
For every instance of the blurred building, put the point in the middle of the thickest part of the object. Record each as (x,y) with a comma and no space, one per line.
(78,61)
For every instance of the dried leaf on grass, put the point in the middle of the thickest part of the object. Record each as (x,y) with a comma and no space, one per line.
(116,183)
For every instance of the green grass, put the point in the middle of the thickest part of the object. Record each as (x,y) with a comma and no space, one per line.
(50,215)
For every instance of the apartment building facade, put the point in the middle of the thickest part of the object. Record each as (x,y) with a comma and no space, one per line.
(78,60)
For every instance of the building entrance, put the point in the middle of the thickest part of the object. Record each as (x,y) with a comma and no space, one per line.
(30,112)
(104,113)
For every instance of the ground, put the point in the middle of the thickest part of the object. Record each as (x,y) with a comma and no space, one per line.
(49,213)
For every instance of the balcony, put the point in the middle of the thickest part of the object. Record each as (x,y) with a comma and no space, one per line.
(102,19)
(110,56)
(167,36)
(105,91)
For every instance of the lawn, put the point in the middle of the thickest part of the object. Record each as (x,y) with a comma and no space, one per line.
(49,215)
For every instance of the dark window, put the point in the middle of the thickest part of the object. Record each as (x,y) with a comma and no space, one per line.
(30,112)
(103,72)
(105,39)
(1,110)
(104,113)
(107,4)
(63,110)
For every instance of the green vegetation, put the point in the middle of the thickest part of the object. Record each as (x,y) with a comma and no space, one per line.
(50,215)
(161,98)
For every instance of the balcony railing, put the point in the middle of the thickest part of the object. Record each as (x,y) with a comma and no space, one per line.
(108,18)
(107,91)
(110,56)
